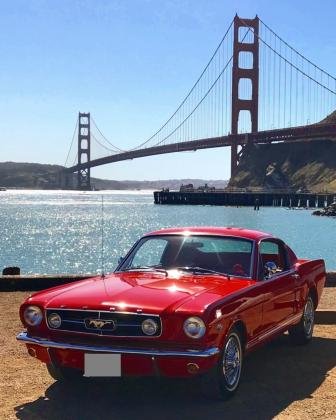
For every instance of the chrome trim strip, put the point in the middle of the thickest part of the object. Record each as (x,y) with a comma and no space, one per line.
(287,322)
(24,337)
(99,312)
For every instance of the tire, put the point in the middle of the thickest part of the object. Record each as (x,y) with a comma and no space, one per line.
(302,333)
(63,374)
(223,380)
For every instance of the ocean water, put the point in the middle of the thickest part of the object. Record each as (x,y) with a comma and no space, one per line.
(51,232)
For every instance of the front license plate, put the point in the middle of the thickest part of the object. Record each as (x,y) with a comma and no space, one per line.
(102,365)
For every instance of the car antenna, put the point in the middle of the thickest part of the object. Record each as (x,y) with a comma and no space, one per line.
(102,238)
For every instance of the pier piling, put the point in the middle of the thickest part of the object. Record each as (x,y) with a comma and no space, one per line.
(244,199)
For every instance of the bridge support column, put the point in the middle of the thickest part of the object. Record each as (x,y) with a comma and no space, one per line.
(66,180)
(84,150)
(238,73)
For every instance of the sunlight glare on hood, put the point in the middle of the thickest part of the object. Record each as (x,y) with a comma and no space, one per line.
(122,305)
(173,288)
(173,274)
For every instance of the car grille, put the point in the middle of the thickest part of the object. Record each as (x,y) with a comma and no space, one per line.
(102,323)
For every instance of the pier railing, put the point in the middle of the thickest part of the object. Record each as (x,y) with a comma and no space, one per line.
(275,198)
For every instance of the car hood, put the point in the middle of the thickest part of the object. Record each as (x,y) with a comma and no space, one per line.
(149,292)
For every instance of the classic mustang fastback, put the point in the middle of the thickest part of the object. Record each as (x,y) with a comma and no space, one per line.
(182,302)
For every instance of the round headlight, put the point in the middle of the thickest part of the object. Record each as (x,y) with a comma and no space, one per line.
(33,315)
(54,320)
(194,327)
(149,327)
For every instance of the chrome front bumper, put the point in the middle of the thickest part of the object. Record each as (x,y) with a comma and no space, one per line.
(24,337)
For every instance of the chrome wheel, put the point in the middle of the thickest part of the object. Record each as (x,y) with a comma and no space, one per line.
(222,381)
(308,317)
(232,361)
(302,332)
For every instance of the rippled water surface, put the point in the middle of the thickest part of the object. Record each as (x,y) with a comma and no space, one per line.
(60,232)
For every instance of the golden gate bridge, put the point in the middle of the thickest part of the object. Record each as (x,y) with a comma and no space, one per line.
(256,88)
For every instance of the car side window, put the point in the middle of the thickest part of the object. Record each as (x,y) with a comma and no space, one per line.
(274,258)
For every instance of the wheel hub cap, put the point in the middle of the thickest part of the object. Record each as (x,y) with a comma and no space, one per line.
(308,317)
(232,361)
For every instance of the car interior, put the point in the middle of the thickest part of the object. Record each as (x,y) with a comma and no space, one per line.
(207,253)
(272,252)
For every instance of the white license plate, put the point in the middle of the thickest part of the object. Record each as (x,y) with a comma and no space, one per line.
(102,365)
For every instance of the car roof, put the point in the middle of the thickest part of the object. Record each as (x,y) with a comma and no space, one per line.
(214,230)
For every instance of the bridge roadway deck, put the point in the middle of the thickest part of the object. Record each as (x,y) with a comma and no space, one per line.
(316,131)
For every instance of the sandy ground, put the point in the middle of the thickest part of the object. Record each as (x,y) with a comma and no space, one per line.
(328,299)
(280,380)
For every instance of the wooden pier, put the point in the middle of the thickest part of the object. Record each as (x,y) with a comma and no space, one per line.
(251,199)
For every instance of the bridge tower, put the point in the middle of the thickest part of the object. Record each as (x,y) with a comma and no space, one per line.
(240,46)
(84,150)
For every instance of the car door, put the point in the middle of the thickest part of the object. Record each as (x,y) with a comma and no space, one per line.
(278,288)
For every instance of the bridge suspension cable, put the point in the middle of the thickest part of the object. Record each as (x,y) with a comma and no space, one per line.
(182,125)
(190,91)
(112,146)
(296,51)
(291,86)
(292,91)
(93,137)
(198,104)
(71,143)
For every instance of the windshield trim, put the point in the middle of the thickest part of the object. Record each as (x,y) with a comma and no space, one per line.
(158,235)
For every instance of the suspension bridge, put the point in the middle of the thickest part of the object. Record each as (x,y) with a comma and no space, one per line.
(256,88)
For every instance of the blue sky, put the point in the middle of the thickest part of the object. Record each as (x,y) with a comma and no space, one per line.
(129,63)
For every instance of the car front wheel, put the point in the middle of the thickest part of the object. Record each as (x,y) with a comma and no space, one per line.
(223,381)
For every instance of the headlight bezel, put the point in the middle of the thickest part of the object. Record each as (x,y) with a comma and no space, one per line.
(153,323)
(50,324)
(201,329)
(32,320)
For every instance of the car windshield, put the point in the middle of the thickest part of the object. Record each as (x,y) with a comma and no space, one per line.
(197,253)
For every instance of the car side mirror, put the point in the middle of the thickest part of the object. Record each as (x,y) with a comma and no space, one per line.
(120,260)
(270,268)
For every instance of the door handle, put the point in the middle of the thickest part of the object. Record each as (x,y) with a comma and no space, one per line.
(296,276)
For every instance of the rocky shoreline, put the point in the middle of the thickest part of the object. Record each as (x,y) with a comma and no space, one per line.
(328,211)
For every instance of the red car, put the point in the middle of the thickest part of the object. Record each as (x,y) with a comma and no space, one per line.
(182,302)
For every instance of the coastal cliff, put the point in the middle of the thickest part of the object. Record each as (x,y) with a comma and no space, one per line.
(302,165)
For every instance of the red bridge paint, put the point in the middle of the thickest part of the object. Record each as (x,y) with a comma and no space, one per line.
(318,131)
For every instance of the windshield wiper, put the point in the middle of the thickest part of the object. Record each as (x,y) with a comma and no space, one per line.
(196,269)
(193,269)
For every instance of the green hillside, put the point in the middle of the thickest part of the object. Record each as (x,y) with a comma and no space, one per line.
(39,176)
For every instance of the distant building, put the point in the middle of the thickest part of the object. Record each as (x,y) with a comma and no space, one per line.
(187,188)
